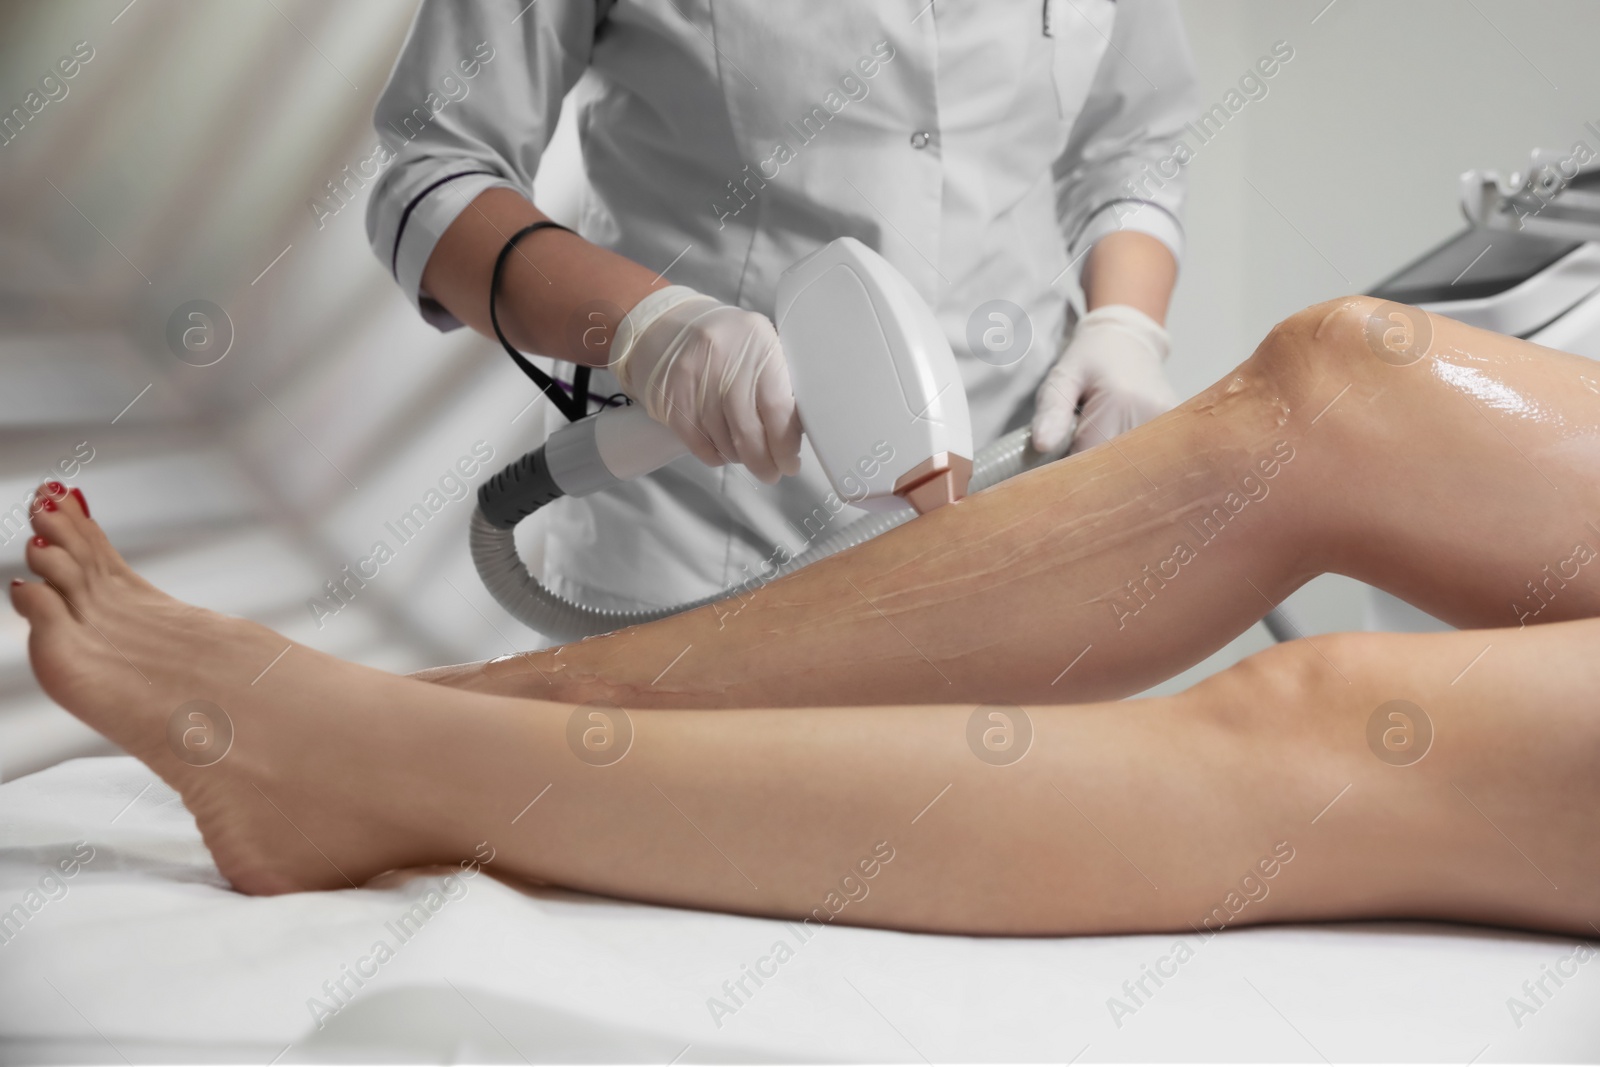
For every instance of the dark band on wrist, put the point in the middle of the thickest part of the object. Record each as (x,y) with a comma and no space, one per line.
(574,406)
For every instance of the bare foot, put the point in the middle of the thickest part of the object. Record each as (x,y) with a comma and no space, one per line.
(233,716)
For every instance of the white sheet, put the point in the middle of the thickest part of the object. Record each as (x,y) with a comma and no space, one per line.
(149,956)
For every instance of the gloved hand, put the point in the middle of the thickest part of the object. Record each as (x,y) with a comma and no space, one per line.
(715,375)
(1112,363)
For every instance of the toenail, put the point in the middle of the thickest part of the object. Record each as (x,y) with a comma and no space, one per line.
(39,542)
(82,503)
(49,505)
(56,488)
(15,582)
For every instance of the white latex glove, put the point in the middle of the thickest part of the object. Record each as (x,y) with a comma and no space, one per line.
(715,375)
(1113,364)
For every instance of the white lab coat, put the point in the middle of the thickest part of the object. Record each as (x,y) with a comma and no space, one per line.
(980,147)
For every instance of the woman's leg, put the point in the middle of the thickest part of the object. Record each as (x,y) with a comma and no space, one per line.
(1258,795)
(1467,482)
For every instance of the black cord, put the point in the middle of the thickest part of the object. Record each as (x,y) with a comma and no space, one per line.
(574,406)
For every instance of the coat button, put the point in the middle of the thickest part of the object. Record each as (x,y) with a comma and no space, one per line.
(920,139)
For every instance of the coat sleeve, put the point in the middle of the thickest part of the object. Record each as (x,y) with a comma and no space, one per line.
(471,104)
(1117,171)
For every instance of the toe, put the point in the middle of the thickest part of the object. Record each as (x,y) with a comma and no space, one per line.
(55,519)
(55,565)
(62,517)
(38,603)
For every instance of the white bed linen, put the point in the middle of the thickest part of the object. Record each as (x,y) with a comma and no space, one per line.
(149,956)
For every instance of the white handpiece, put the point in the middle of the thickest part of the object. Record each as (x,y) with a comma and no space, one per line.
(877,386)
(876,383)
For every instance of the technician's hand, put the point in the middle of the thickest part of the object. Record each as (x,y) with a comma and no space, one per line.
(715,375)
(1113,364)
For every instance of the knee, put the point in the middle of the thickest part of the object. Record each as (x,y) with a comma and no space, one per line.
(1281,684)
(1323,341)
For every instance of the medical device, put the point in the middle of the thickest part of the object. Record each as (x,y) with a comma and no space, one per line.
(880,399)
(1528,265)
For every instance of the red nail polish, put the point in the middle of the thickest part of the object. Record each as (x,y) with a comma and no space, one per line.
(15,582)
(39,542)
(56,488)
(49,505)
(82,503)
